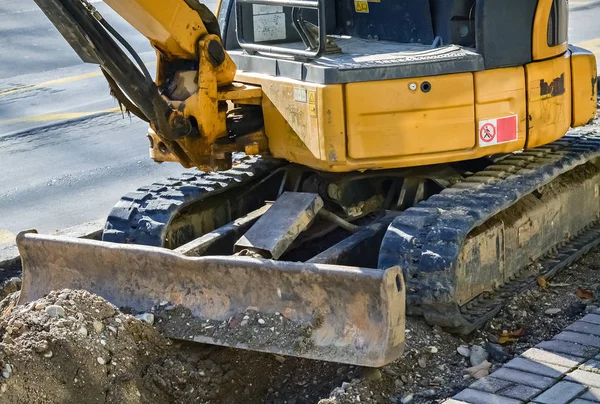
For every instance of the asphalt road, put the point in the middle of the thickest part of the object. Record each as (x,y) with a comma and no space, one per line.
(67,154)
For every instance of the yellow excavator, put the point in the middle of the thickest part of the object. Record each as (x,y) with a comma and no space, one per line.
(350,162)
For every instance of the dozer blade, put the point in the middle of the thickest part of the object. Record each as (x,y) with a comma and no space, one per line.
(325,312)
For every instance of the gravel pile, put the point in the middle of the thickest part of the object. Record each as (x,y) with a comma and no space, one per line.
(72,344)
(253,329)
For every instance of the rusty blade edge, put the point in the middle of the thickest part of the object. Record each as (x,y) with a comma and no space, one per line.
(360,311)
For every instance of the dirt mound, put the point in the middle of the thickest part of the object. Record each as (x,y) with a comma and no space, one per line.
(72,345)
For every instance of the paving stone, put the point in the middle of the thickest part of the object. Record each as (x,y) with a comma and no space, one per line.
(593,365)
(585,328)
(593,394)
(581,376)
(568,348)
(561,392)
(525,378)
(544,369)
(520,392)
(528,379)
(583,339)
(481,397)
(561,359)
(490,384)
(591,318)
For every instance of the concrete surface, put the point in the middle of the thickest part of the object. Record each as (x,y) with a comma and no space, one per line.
(68,154)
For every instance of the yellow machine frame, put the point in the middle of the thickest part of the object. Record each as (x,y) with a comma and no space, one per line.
(373,125)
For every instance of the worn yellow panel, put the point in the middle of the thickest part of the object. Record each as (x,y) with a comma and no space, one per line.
(584,85)
(320,142)
(297,143)
(171,26)
(549,100)
(500,93)
(304,122)
(332,125)
(540,48)
(392,118)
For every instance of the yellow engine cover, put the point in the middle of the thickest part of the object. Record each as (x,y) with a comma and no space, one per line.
(429,120)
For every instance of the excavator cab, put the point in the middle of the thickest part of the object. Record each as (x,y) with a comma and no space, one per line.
(359,160)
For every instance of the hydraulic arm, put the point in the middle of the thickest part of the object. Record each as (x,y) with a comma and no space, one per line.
(186,105)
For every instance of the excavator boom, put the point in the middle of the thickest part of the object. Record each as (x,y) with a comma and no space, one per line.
(186,104)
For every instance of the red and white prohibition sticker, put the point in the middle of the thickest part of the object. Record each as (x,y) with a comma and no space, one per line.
(499,130)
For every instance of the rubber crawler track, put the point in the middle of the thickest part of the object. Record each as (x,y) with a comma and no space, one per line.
(143,216)
(426,240)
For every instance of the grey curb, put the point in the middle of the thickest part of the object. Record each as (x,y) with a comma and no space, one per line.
(563,370)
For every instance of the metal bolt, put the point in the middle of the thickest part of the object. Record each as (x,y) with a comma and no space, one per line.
(181,125)
(412,86)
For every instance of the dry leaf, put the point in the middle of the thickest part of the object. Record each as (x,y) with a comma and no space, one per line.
(584,294)
(558,285)
(505,339)
(510,336)
(542,282)
(517,333)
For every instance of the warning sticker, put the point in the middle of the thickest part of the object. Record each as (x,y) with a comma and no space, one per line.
(499,130)
(487,133)
(269,23)
(300,95)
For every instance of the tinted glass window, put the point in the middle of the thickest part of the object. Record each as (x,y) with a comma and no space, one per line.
(558,23)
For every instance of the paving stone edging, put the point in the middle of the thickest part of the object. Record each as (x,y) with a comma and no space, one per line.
(565,369)
(10,261)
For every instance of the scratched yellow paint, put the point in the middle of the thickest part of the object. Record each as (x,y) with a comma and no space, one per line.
(51,83)
(59,116)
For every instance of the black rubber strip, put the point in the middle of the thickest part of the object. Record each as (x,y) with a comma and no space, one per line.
(143,217)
